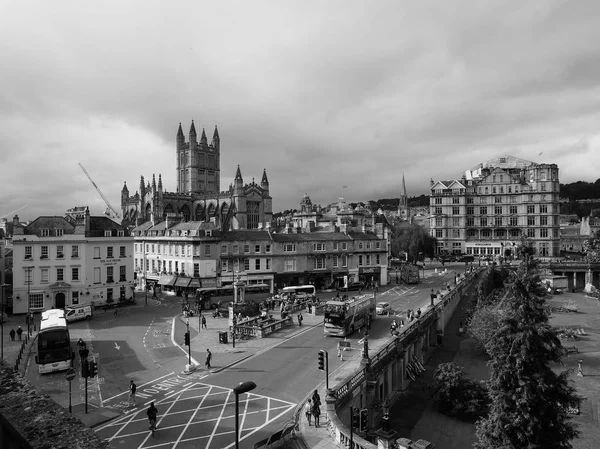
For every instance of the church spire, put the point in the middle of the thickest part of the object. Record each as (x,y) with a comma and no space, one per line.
(159,182)
(180,132)
(193,134)
(203,137)
(264,179)
(403,186)
(216,134)
(238,174)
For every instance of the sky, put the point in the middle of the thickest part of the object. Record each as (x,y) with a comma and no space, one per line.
(332,98)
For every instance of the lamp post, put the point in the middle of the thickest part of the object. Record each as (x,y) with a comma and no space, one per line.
(2,322)
(243,387)
(145,274)
(190,345)
(28,300)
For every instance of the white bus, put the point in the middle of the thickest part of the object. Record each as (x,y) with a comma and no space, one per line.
(298,291)
(54,343)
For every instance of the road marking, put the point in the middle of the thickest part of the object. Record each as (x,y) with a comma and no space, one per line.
(117,347)
(126,392)
(190,420)
(220,418)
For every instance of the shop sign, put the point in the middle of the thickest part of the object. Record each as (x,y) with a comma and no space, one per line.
(369,270)
(208,282)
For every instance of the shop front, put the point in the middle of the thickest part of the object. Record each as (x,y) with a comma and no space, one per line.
(369,275)
(320,279)
(288,279)
(167,282)
(265,281)
(181,286)
(339,279)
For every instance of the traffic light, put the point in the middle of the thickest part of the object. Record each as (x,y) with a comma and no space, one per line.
(92,369)
(83,353)
(355,418)
(187,338)
(322,360)
(84,369)
(364,419)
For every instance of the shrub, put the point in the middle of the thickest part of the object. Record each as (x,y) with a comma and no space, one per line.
(457,395)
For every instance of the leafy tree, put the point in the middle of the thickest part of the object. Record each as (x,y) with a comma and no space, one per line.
(591,248)
(529,400)
(484,324)
(413,239)
(456,394)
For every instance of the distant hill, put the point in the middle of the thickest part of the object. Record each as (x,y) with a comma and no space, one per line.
(580,190)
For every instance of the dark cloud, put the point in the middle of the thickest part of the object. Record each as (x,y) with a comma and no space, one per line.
(321,94)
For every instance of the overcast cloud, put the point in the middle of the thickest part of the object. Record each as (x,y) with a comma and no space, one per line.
(320,93)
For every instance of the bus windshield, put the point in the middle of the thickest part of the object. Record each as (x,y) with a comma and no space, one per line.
(53,346)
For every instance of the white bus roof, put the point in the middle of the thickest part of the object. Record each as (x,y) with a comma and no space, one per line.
(293,288)
(53,318)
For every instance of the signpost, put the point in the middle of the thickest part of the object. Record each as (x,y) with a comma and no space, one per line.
(70,375)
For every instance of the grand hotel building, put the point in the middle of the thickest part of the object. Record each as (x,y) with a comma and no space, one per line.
(493,205)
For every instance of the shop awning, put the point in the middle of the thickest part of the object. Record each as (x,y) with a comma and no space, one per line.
(167,279)
(182,282)
(194,283)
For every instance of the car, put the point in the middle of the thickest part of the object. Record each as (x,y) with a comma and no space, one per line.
(383,308)
(466,258)
(353,286)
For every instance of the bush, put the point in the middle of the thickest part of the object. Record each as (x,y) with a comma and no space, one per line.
(484,323)
(457,395)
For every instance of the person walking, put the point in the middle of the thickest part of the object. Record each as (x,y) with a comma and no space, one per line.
(316,398)
(19,332)
(300,318)
(308,410)
(12,334)
(115,313)
(132,390)
(203,322)
(152,413)
(208,358)
(316,412)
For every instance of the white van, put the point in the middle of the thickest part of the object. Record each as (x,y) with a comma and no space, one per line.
(74,313)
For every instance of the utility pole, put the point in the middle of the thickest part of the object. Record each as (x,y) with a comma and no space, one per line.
(145,275)
(28,301)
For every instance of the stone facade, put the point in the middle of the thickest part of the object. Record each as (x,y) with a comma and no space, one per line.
(493,205)
(198,196)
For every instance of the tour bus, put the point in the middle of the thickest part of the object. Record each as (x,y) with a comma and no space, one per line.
(344,317)
(298,291)
(409,274)
(208,297)
(54,343)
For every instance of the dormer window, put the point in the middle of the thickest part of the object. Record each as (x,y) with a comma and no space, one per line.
(121,233)
(107,233)
(60,232)
(209,233)
(45,232)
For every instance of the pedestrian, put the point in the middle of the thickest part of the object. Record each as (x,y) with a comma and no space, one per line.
(12,334)
(308,410)
(203,322)
(316,412)
(316,398)
(208,358)
(376,286)
(418,313)
(300,319)
(132,390)
(19,332)
(152,413)
(115,312)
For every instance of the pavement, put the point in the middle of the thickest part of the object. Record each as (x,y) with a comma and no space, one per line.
(12,349)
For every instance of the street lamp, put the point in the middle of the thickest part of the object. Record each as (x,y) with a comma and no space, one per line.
(243,387)
(28,301)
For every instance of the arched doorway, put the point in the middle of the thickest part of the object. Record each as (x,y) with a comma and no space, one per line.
(59,301)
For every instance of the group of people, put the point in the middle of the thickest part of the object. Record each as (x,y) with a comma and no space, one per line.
(18,332)
(312,408)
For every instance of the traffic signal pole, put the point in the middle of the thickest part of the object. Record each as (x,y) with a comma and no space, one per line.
(351,426)
(323,365)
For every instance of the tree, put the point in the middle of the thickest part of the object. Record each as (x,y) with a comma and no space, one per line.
(413,239)
(456,394)
(484,324)
(528,399)
(591,248)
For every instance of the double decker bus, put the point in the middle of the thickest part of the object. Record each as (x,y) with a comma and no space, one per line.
(409,274)
(208,297)
(54,343)
(344,317)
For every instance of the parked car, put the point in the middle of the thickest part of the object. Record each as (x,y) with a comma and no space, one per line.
(353,286)
(383,308)
(466,258)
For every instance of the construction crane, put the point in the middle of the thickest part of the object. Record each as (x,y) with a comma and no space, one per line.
(109,210)
(14,211)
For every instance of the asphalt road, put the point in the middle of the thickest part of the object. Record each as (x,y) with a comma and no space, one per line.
(197,410)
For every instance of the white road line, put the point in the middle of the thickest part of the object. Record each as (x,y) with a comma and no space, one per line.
(245,413)
(177,345)
(190,420)
(219,420)
(127,392)
(122,427)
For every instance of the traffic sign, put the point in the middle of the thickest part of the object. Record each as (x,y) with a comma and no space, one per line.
(70,374)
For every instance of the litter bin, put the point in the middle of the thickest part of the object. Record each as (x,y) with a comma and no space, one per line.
(223,337)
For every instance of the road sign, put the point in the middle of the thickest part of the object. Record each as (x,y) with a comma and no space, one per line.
(70,374)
